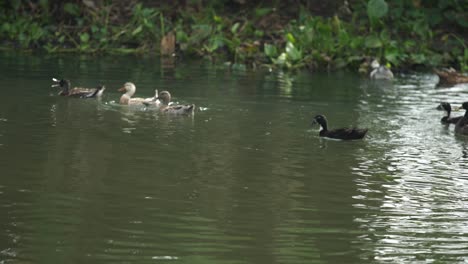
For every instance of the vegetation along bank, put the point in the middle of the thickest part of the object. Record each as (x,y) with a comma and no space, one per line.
(319,35)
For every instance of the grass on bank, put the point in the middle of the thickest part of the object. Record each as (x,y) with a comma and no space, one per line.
(403,33)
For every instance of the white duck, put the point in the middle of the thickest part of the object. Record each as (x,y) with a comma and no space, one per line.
(380,72)
(129,89)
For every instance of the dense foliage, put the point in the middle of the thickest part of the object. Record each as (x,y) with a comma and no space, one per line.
(289,34)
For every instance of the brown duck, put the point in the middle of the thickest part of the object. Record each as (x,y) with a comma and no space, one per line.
(165,98)
(450,77)
(80,92)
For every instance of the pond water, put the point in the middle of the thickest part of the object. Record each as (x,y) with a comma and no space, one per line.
(245,180)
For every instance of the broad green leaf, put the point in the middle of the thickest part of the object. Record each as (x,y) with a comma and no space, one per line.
(84,37)
(6,27)
(235,27)
(217,19)
(71,9)
(281,60)
(392,56)
(259,12)
(61,39)
(290,38)
(200,33)
(94,28)
(377,8)
(293,53)
(259,33)
(214,43)
(270,50)
(181,36)
(137,30)
(418,58)
(373,42)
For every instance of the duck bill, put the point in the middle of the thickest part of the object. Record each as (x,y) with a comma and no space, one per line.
(121,89)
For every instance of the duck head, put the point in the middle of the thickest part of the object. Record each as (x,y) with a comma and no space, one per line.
(446,106)
(464,106)
(63,83)
(375,64)
(129,88)
(164,97)
(321,120)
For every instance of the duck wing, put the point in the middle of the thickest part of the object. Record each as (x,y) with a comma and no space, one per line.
(136,101)
(180,109)
(462,126)
(80,92)
(346,133)
(454,120)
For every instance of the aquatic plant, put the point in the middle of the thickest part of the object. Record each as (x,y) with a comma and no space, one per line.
(273,33)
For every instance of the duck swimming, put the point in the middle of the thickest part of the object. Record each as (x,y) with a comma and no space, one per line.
(129,89)
(461,126)
(450,77)
(380,72)
(165,98)
(447,119)
(339,133)
(77,91)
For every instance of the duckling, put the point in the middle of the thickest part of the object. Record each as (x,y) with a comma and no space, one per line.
(461,126)
(340,133)
(77,91)
(126,99)
(450,77)
(447,119)
(380,72)
(165,98)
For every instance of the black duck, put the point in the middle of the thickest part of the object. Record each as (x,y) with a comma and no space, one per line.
(447,119)
(461,127)
(339,133)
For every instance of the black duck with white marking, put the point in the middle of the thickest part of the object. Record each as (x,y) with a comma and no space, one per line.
(339,133)
(447,119)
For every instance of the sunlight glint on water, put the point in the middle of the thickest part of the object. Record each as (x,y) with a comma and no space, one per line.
(246,180)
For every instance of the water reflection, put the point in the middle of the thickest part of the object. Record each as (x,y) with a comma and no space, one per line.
(419,197)
(246,180)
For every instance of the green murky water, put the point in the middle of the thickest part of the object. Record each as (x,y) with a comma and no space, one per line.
(246,180)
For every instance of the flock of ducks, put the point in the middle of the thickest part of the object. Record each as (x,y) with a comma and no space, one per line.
(381,72)
(460,122)
(160,101)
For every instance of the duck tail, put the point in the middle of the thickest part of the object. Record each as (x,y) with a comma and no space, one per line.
(56,82)
(95,93)
(191,108)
